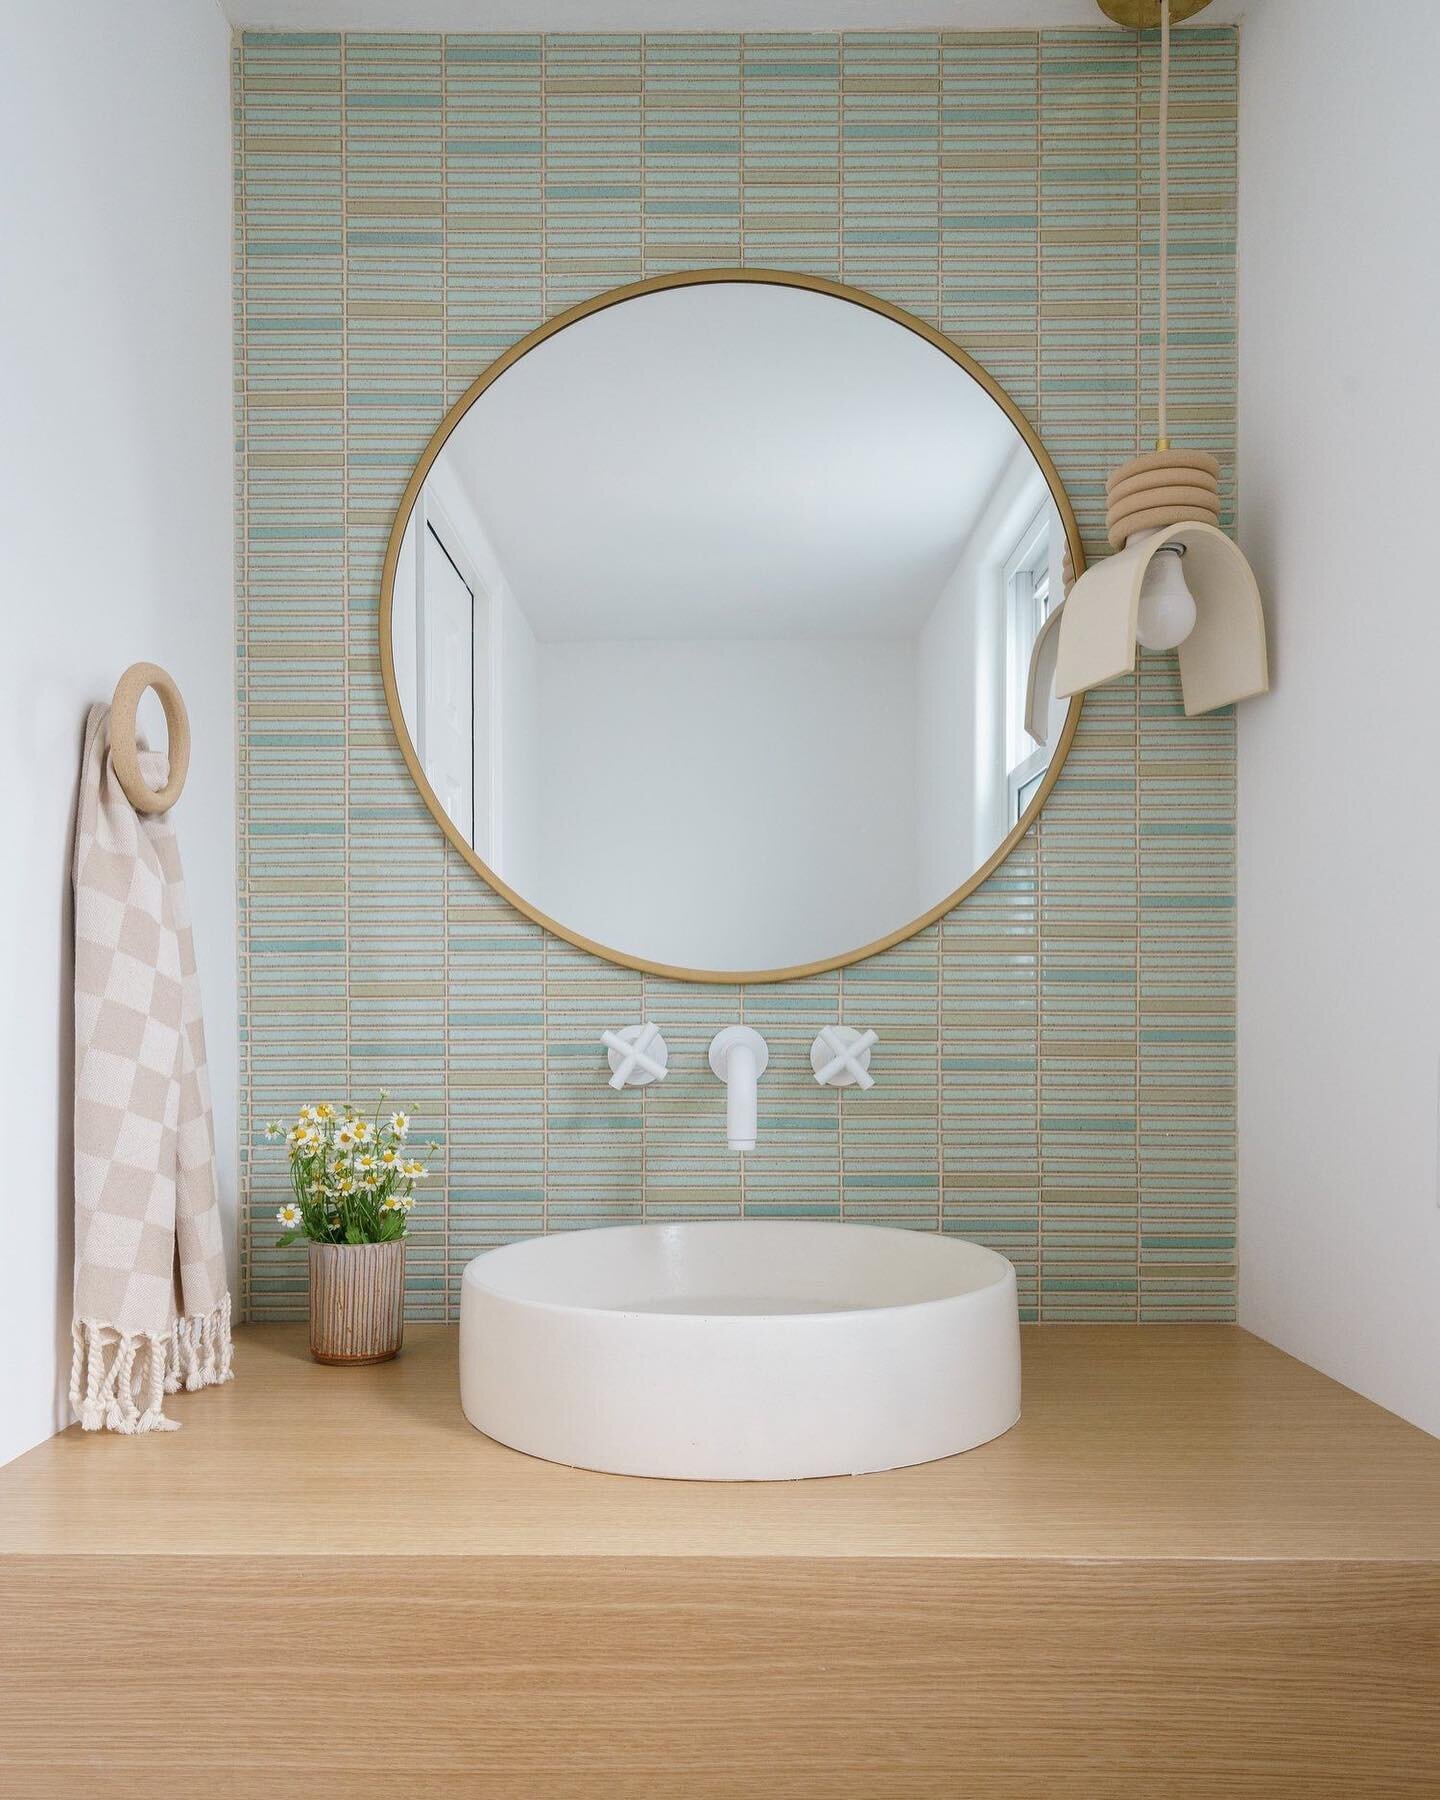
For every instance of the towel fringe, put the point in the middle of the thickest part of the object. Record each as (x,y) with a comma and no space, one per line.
(118,1381)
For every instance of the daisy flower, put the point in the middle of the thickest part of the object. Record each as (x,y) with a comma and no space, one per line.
(275,1131)
(414,1171)
(289,1215)
(347,1137)
(400,1123)
(363,1130)
(366,1169)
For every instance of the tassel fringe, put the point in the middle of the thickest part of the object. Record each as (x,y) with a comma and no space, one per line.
(119,1383)
(200,1351)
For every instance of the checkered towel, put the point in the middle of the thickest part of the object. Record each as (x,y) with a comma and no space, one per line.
(151,1306)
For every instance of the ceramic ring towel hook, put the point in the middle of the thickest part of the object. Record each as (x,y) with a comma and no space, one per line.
(124,752)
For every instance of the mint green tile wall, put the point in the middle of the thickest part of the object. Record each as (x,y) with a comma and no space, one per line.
(1056,1072)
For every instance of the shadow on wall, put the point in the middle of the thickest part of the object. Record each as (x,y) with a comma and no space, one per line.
(65,1115)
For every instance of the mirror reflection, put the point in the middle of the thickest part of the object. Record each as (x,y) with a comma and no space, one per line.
(712,621)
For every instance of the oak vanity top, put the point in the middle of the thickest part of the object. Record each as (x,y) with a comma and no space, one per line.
(1167,1442)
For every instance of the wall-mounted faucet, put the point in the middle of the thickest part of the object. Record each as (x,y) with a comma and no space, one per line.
(739,1057)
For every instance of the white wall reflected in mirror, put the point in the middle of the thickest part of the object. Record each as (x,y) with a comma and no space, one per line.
(712,622)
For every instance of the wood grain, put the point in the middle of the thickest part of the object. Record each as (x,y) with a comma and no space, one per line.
(732,1677)
(1168,1441)
(1197,1568)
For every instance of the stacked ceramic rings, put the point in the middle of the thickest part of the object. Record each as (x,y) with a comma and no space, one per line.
(1165,487)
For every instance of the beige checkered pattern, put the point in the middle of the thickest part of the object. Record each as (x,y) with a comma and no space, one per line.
(151,1306)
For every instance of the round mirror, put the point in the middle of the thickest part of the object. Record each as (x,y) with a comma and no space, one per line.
(708,619)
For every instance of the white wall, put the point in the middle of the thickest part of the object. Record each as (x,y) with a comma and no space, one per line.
(1339,814)
(115,545)
(773,757)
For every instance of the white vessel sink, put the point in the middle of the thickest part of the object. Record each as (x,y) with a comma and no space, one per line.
(748,1351)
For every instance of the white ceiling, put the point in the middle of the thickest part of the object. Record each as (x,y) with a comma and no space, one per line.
(682,15)
(731,460)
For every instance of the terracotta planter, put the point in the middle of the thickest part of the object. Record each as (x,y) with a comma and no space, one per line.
(357,1301)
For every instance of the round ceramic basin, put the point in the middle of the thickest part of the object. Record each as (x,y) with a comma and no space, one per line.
(752,1350)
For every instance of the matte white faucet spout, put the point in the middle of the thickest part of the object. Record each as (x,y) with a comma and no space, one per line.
(739,1057)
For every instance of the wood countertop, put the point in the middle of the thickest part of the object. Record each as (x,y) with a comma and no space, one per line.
(1163,1442)
(1195,1568)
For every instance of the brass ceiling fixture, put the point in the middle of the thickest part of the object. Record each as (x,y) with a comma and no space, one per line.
(1176,582)
(1144,15)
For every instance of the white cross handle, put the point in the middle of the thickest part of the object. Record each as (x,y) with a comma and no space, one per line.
(638,1055)
(840,1057)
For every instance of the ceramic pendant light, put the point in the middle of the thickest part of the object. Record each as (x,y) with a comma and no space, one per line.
(1176,581)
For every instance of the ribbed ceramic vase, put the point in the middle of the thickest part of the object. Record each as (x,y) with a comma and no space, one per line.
(357,1301)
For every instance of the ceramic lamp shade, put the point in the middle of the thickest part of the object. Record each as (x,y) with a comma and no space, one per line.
(1223,659)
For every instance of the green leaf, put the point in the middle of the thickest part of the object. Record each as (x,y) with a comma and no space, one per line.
(287,1238)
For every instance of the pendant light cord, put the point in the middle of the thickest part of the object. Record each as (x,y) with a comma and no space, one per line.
(1160,488)
(1162,441)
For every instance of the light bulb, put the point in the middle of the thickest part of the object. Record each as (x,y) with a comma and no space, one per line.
(1167,607)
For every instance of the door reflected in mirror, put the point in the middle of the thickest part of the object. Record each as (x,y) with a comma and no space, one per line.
(710,624)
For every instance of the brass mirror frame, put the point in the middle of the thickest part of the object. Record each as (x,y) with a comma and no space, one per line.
(584,310)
